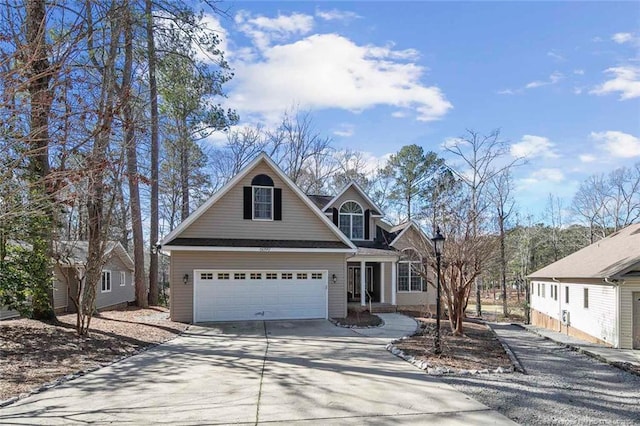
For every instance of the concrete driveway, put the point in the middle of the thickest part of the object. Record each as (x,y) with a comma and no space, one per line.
(296,372)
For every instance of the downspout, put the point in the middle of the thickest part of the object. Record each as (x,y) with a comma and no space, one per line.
(559,305)
(616,283)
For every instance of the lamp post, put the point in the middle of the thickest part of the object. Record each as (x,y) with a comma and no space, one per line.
(438,243)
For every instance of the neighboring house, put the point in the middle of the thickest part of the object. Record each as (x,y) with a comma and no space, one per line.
(260,248)
(594,293)
(115,288)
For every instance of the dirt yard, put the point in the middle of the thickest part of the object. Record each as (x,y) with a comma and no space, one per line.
(33,353)
(478,349)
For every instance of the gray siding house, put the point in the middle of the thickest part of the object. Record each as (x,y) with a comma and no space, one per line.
(115,289)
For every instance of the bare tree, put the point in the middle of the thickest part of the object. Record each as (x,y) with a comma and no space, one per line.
(481,157)
(295,144)
(502,198)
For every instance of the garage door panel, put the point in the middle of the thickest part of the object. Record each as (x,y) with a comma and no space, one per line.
(249,295)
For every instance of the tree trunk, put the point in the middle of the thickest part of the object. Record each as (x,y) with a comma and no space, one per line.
(41,226)
(132,161)
(184,174)
(503,267)
(153,89)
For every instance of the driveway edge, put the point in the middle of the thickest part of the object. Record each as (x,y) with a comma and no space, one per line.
(72,376)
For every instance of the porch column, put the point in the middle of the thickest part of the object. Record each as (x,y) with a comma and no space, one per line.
(363,283)
(382,282)
(393,283)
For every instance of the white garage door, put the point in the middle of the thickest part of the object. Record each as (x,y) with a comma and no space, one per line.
(221,295)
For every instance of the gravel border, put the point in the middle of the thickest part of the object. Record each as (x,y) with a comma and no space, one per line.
(72,376)
(517,365)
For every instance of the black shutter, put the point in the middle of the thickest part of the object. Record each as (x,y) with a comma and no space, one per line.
(335,216)
(367,219)
(247,203)
(277,203)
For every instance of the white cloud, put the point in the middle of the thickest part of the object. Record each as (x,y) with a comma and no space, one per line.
(622,38)
(399,114)
(578,72)
(336,15)
(549,175)
(507,92)
(263,30)
(531,146)
(325,71)
(587,158)
(555,55)
(618,144)
(578,90)
(345,130)
(626,81)
(553,79)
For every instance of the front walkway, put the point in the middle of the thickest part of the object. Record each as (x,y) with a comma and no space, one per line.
(601,352)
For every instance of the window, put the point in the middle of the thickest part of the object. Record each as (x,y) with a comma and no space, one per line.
(586,298)
(223,276)
(301,276)
(272,276)
(106,282)
(256,276)
(566,295)
(287,276)
(262,203)
(316,276)
(542,289)
(206,276)
(123,278)
(409,267)
(239,276)
(538,289)
(554,292)
(351,220)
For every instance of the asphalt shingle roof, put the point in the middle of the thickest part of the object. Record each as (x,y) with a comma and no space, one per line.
(610,257)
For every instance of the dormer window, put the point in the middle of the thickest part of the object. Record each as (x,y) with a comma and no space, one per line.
(351,220)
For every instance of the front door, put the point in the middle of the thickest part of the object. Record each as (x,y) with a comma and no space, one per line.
(353,274)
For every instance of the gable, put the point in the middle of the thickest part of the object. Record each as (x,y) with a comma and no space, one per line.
(411,238)
(225,217)
(352,194)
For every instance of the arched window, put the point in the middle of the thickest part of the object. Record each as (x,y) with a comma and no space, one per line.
(351,220)
(262,197)
(409,266)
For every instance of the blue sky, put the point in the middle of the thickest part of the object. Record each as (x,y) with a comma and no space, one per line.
(560,79)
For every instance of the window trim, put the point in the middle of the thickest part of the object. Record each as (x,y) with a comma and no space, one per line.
(253,203)
(108,272)
(123,278)
(350,215)
(410,262)
(566,295)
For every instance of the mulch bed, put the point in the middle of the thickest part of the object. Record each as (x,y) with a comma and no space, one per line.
(33,353)
(478,349)
(359,319)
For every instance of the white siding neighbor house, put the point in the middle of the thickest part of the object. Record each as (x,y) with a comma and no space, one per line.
(594,293)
